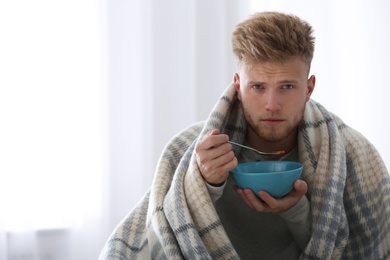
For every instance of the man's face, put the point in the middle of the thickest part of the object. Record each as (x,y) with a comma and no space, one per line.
(273,97)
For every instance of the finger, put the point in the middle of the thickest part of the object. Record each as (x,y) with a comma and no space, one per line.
(212,141)
(228,163)
(254,201)
(224,163)
(271,201)
(206,145)
(222,154)
(241,193)
(217,157)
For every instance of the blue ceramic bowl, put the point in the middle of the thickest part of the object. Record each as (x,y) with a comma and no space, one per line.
(274,177)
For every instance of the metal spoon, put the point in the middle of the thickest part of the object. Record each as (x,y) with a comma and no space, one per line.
(274,153)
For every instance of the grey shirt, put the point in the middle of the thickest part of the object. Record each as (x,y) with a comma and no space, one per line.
(257,235)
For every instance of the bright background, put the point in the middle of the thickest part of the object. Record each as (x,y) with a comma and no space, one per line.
(91,91)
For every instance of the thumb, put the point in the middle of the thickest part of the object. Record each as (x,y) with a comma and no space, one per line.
(214,132)
(300,186)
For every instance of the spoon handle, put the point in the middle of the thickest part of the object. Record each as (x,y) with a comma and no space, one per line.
(256,151)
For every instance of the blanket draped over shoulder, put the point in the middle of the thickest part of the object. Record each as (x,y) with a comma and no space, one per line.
(349,193)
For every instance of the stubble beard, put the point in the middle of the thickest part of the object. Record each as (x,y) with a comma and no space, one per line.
(274,134)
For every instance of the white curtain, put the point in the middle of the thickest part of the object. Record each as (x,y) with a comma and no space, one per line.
(161,79)
(91,91)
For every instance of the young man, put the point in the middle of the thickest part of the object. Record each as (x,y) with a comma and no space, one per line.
(339,209)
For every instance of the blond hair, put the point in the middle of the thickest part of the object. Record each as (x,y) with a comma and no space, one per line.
(272,36)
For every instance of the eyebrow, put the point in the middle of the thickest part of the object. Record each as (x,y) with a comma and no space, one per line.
(290,81)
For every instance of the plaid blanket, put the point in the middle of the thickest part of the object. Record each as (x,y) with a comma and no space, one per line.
(349,192)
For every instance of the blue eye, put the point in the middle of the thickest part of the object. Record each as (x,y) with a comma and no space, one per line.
(257,86)
(287,86)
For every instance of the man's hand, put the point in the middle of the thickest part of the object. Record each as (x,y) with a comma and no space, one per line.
(215,157)
(270,204)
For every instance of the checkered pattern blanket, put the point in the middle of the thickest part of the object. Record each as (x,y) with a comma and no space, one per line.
(349,192)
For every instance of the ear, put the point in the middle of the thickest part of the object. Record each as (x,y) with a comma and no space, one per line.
(311,82)
(236,82)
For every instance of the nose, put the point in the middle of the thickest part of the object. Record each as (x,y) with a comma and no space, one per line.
(272,101)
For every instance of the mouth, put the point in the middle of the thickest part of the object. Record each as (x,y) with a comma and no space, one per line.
(272,121)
